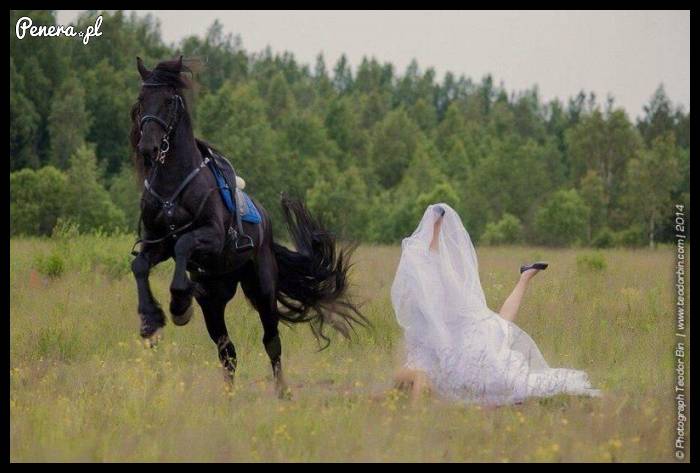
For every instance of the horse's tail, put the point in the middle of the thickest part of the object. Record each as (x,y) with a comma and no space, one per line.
(313,280)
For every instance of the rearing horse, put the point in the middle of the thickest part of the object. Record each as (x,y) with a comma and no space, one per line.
(192,225)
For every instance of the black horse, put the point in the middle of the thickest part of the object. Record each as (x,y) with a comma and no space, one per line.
(193,225)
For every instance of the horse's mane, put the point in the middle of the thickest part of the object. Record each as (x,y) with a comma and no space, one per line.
(170,74)
(134,136)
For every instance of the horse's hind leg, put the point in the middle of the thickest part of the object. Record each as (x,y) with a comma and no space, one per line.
(212,298)
(259,286)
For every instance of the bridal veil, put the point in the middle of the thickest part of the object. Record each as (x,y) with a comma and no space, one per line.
(469,352)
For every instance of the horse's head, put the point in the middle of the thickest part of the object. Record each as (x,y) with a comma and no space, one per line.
(159,109)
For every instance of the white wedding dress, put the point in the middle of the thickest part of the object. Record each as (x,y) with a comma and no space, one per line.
(468,352)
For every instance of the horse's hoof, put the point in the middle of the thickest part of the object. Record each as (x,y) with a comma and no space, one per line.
(229,377)
(151,323)
(153,340)
(183,318)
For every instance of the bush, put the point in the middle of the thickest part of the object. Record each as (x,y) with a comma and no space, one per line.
(507,230)
(39,199)
(605,238)
(591,261)
(36,200)
(65,230)
(562,220)
(52,265)
(633,236)
(114,266)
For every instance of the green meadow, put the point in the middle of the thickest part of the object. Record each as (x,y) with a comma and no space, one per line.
(84,388)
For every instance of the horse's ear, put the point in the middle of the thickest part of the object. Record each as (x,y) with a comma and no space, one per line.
(179,64)
(142,69)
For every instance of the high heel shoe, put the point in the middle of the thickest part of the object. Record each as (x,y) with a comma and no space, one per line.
(538,265)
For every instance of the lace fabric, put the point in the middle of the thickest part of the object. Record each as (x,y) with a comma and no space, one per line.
(469,352)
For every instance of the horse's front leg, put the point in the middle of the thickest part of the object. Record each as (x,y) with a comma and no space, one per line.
(152,316)
(203,240)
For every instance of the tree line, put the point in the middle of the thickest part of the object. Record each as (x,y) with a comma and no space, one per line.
(368,148)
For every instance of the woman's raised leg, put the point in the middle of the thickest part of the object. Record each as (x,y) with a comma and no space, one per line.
(510,307)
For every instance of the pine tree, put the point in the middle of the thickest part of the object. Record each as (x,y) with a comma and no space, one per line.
(87,202)
(69,122)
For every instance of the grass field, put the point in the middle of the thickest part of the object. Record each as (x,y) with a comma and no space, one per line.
(83,387)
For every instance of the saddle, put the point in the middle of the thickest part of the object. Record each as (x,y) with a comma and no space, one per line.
(238,202)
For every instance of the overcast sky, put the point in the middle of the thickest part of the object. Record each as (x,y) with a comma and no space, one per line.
(626,54)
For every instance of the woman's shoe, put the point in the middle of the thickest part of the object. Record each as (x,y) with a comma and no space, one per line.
(538,265)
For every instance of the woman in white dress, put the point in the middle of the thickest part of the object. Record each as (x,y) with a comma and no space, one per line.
(455,344)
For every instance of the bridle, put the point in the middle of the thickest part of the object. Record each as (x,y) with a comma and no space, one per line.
(168,127)
(167,204)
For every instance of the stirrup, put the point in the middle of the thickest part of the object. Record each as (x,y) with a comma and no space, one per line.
(240,248)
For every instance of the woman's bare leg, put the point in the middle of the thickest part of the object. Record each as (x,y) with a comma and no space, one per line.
(510,307)
(420,386)
(414,381)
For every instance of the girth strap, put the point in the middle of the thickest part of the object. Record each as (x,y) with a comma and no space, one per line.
(247,242)
(173,233)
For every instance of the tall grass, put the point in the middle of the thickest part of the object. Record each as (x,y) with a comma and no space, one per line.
(82,386)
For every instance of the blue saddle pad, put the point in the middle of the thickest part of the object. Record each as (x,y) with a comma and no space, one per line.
(251,214)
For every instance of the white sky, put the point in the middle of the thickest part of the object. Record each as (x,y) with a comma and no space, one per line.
(626,54)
